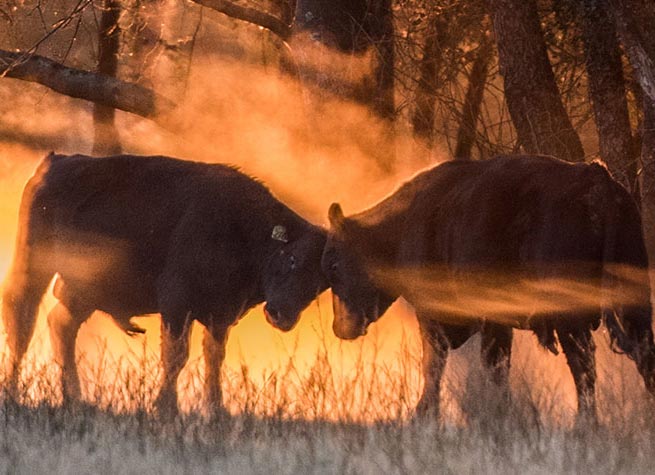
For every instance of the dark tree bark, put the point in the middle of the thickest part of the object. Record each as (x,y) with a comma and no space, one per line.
(353,27)
(424,102)
(86,85)
(533,100)
(634,20)
(647,184)
(341,24)
(106,140)
(607,91)
(634,23)
(472,101)
(381,28)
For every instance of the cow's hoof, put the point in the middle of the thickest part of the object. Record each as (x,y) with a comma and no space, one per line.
(585,421)
(166,408)
(219,415)
(426,410)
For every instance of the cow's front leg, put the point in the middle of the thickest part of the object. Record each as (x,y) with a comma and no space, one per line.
(64,321)
(579,347)
(214,343)
(174,355)
(435,353)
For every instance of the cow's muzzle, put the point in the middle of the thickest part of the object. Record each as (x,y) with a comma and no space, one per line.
(347,324)
(278,319)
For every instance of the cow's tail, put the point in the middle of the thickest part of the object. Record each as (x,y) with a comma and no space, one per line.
(27,280)
(626,306)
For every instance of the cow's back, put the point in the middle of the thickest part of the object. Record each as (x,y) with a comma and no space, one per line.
(509,210)
(108,225)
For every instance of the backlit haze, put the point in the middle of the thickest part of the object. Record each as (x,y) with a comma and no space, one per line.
(309,153)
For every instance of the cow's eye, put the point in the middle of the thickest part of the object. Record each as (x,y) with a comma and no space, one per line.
(292,262)
(334,266)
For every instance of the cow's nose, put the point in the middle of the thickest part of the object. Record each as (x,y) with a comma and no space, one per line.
(279,320)
(272,314)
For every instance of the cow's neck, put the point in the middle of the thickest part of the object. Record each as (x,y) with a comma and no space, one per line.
(378,241)
(381,226)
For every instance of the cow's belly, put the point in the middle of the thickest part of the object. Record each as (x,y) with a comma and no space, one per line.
(120,292)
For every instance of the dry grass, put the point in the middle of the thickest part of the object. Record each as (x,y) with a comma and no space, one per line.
(315,422)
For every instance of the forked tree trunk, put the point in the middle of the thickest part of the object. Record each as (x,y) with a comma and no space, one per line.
(607,92)
(106,140)
(533,99)
(472,102)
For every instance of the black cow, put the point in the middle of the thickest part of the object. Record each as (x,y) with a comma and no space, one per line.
(132,235)
(526,242)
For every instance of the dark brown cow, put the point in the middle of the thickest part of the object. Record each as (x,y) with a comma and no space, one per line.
(135,235)
(526,242)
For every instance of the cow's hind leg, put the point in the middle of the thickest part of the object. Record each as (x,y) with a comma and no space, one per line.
(579,348)
(435,353)
(214,351)
(64,321)
(174,354)
(496,350)
(20,305)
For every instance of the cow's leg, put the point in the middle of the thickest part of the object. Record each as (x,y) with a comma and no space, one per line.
(214,350)
(174,354)
(20,306)
(435,353)
(64,321)
(579,348)
(496,349)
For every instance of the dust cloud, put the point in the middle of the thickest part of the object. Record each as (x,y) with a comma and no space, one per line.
(511,297)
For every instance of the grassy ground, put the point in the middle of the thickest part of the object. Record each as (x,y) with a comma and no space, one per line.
(46,439)
(291,426)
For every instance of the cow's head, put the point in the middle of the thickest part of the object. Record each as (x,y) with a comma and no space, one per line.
(357,301)
(293,276)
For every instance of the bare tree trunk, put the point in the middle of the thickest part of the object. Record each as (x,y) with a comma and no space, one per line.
(533,100)
(424,102)
(472,102)
(106,140)
(382,29)
(647,185)
(355,26)
(634,20)
(607,92)
(178,28)
(634,23)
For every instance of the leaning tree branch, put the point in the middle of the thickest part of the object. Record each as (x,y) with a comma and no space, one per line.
(249,15)
(97,88)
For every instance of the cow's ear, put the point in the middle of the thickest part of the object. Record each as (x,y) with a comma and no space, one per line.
(336,217)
